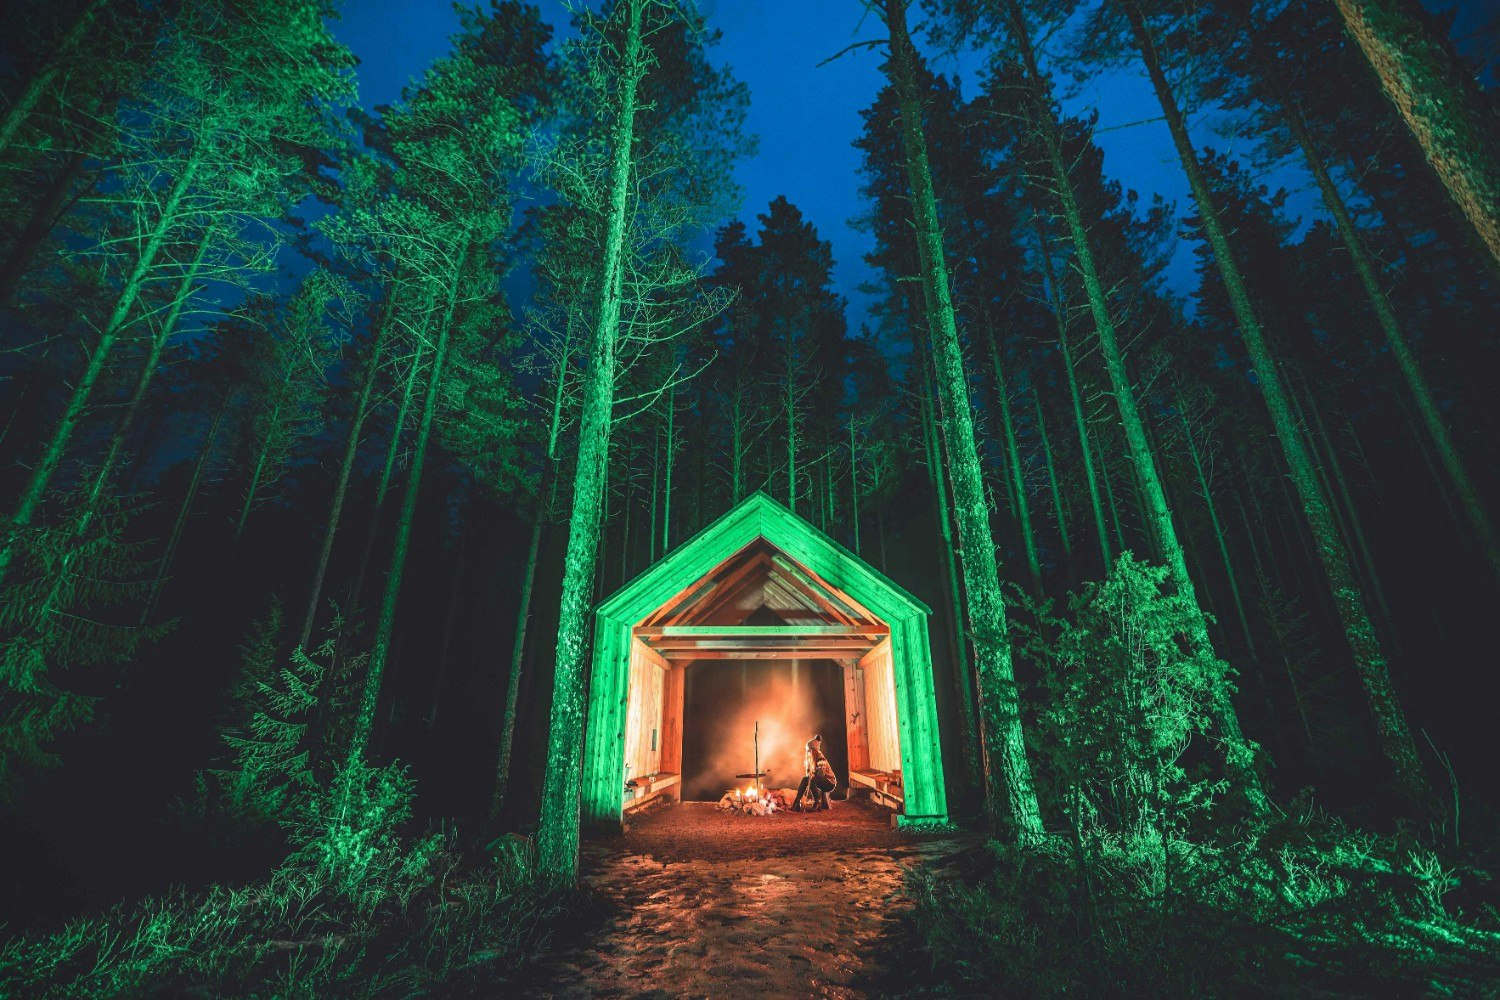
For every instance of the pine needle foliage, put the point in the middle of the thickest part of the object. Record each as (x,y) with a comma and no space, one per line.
(269,767)
(56,631)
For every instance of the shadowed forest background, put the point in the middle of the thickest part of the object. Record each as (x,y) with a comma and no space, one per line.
(324,426)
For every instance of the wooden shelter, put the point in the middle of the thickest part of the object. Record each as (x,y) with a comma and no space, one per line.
(691,607)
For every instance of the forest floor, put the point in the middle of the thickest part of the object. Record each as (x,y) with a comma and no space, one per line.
(694,902)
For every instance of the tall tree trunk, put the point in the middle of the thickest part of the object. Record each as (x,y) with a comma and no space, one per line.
(43,217)
(546,501)
(1201,474)
(1406,360)
(1395,733)
(1013,452)
(380,650)
(1056,490)
(562,781)
(546,498)
(346,466)
(445,650)
(957,642)
(15,115)
(1059,311)
(159,339)
(853,485)
(791,421)
(1440,100)
(666,496)
(737,448)
(165,564)
(387,471)
(89,506)
(1240,754)
(1000,704)
(62,433)
(255,475)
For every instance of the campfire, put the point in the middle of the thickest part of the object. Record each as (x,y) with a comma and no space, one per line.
(755,799)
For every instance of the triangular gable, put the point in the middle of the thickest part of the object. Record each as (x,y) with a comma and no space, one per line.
(759,517)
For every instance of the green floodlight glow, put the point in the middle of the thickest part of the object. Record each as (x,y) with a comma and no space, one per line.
(760,517)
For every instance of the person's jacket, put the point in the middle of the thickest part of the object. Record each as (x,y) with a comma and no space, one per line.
(815,763)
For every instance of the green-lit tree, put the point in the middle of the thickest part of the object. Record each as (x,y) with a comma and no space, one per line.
(1008,769)
(649,129)
(451,150)
(1025,90)
(1370,659)
(1440,100)
(195,153)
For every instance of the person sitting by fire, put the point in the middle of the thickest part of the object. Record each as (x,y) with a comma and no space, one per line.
(817,777)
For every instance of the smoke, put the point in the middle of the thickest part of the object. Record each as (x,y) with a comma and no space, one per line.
(788,715)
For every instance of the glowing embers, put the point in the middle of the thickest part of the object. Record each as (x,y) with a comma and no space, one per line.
(752,800)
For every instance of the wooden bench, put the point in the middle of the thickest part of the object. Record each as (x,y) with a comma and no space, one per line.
(652,786)
(884,786)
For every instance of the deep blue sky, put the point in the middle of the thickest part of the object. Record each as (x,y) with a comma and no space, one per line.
(807,116)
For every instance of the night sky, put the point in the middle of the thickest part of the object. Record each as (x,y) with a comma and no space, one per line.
(807,117)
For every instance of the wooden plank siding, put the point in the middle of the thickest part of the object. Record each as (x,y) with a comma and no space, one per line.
(880,709)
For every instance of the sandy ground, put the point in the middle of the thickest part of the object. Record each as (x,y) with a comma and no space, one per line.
(699,903)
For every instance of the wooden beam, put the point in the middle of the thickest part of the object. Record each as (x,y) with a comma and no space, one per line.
(649,654)
(757,631)
(804,586)
(855,608)
(857,643)
(874,651)
(704,586)
(730,586)
(678,655)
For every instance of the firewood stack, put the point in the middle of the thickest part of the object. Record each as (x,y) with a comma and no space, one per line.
(753,800)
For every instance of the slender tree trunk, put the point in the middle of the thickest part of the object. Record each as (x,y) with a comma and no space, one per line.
(1052,484)
(737,449)
(562,781)
(853,486)
(143,381)
(393,449)
(440,680)
(1017,471)
(957,642)
(547,497)
(259,470)
(1433,422)
(546,501)
(791,421)
(1000,712)
(655,490)
(1374,671)
(43,217)
(15,116)
(1240,754)
(346,466)
(62,433)
(1213,517)
(666,497)
(1440,100)
(165,563)
(102,475)
(380,650)
(1059,311)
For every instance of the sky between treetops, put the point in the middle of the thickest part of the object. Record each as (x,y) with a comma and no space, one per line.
(807,116)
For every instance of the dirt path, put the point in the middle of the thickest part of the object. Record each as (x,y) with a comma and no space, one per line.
(707,904)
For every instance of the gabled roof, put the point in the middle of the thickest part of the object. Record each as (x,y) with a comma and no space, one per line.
(760,555)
